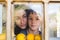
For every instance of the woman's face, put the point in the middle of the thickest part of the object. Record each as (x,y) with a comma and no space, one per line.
(33,21)
(21,19)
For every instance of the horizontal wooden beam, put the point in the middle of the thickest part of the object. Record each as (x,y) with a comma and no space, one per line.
(26,0)
(2,0)
(36,1)
(54,0)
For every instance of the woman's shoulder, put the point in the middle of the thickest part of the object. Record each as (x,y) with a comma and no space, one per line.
(24,32)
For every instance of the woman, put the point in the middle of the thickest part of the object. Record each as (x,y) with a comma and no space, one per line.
(20,21)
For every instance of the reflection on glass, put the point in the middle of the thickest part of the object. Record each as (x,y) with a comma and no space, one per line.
(3,22)
(52,13)
(0,18)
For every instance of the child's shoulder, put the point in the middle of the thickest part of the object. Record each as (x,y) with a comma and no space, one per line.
(40,32)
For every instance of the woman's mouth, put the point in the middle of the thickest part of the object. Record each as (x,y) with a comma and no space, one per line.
(23,25)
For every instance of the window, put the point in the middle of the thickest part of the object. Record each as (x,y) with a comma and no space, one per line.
(52,21)
(36,7)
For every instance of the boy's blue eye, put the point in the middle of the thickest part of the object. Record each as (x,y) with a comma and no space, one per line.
(37,19)
(32,19)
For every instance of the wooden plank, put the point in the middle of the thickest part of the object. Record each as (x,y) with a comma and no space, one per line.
(8,28)
(54,0)
(25,0)
(2,0)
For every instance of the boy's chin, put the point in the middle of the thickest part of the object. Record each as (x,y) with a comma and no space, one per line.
(34,29)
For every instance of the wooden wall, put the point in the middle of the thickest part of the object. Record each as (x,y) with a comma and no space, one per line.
(27,0)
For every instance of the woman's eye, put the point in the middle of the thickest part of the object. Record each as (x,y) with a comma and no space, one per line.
(17,18)
(24,16)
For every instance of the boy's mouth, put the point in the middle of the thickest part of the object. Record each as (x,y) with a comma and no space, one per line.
(33,25)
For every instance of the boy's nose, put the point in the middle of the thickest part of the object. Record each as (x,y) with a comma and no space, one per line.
(33,21)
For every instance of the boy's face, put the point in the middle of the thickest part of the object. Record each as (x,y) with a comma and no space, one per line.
(21,19)
(33,21)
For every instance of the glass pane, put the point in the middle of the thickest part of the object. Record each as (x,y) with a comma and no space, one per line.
(33,19)
(53,21)
(2,22)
